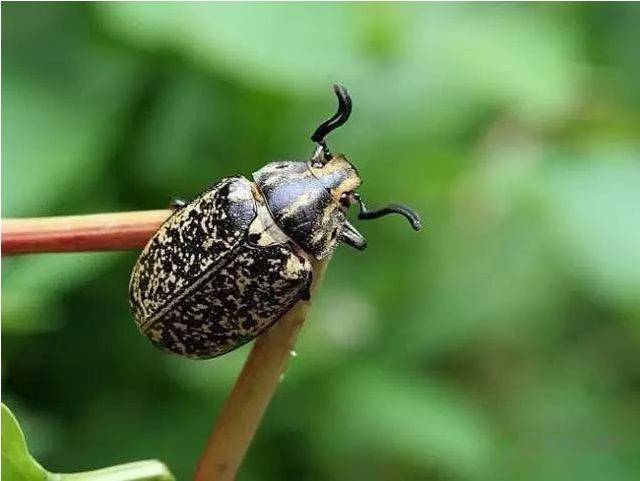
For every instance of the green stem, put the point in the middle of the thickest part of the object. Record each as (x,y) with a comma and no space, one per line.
(148,470)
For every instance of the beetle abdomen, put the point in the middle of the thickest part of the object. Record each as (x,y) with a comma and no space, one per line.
(192,242)
(237,303)
(216,274)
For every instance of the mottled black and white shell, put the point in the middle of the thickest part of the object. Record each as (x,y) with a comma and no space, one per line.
(217,273)
(226,266)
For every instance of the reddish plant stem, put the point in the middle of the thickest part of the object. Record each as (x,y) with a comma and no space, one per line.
(96,232)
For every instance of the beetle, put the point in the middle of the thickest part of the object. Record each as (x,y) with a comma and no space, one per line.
(229,264)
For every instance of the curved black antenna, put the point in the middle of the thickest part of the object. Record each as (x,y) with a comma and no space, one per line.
(411,215)
(339,118)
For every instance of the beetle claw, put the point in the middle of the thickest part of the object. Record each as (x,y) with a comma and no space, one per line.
(329,125)
(352,237)
(411,215)
(177,204)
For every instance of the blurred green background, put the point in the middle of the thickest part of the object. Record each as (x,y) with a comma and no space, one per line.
(502,342)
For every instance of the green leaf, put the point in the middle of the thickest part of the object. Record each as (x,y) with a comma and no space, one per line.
(17,463)
(148,470)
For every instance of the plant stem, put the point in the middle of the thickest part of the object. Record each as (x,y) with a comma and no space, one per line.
(254,388)
(97,232)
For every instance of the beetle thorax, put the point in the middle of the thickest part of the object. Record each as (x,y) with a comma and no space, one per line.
(304,200)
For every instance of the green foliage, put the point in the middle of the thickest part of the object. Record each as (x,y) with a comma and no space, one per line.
(19,465)
(499,343)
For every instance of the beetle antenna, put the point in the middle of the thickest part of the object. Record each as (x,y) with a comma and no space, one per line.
(411,215)
(326,127)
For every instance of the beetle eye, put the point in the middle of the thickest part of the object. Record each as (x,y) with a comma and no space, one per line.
(345,199)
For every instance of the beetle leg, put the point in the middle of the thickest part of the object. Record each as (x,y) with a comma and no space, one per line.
(177,204)
(305,295)
(352,237)
(409,214)
(326,127)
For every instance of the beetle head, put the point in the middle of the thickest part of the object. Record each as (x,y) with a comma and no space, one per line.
(338,175)
(341,178)
(309,200)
